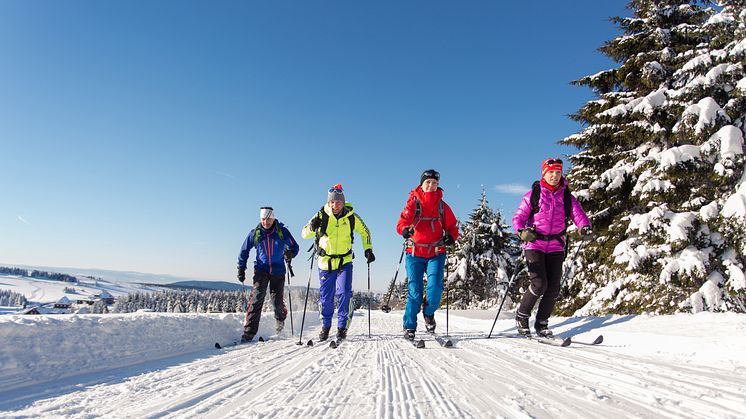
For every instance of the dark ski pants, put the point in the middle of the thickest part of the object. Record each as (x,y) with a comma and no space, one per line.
(545,274)
(258,293)
(416,267)
(336,282)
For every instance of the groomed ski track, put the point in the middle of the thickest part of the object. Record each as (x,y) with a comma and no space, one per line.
(386,377)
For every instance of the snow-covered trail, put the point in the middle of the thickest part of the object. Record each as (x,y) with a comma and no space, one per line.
(386,377)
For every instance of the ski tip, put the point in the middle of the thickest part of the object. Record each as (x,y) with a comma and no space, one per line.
(261,339)
(217,346)
(310,342)
(566,342)
(333,344)
(448,344)
(420,343)
(598,340)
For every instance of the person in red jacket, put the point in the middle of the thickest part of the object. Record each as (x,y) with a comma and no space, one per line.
(428,225)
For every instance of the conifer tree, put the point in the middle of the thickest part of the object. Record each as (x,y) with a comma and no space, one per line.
(482,259)
(661,163)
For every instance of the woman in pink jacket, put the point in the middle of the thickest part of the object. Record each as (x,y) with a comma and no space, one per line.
(544,231)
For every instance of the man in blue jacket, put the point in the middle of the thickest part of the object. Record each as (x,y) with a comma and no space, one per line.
(274,246)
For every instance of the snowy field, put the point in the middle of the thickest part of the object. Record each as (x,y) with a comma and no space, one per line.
(164,365)
(48,291)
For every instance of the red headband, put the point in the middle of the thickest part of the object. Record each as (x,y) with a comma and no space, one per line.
(551,164)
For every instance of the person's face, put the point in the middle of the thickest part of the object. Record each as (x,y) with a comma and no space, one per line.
(267,222)
(553,177)
(336,205)
(430,185)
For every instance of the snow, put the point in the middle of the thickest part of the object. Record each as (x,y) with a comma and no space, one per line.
(690,261)
(731,142)
(708,295)
(645,105)
(667,366)
(44,291)
(676,155)
(706,112)
(735,205)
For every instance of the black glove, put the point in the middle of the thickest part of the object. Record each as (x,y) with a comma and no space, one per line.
(289,255)
(527,234)
(407,232)
(369,255)
(586,233)
(242,274)
(448,239)
(315,223)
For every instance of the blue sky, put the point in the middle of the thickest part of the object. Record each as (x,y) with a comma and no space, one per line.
(145,135)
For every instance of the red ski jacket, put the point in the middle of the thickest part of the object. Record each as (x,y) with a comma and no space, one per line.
(430,224)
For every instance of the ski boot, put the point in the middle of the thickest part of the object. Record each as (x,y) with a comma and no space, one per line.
(246,338)
(542,329)
(409,334)
(521,325)
(279,325)
(430,323)
(341,333)
(324,334)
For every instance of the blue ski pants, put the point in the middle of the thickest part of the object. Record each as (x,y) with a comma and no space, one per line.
(336,282)
(416,267)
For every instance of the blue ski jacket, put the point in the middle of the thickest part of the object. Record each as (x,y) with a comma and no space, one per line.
(269,249)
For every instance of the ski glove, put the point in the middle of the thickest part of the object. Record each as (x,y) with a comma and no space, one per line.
(448,239)
(369,256)
(242,274)
(315,223)
(289,255)
(407,232)
(586,233)
(527,235)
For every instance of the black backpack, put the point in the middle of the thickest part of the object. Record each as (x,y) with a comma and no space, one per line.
(536,194)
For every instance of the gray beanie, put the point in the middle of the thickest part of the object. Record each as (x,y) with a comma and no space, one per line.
(336,193)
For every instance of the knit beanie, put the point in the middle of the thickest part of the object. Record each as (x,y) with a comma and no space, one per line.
(336,193)
(551,164)
(429,174)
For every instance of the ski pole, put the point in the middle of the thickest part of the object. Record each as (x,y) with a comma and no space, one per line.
(448,287)
(572,262)
(308,289)
(385,308)
(507,289)
(290,297)
(243,298)
(368,300)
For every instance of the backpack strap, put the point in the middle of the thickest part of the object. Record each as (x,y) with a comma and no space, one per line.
(535,195)
(275,226)
(568,205)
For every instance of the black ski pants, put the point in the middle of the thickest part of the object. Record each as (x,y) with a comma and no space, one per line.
(545,274)
(258,293)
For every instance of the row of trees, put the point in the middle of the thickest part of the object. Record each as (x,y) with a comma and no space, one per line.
(201,301)
(12,299)
(54,276)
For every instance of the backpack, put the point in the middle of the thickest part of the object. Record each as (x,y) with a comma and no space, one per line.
(257,232)
(324,217)
(418,211)
(536,194)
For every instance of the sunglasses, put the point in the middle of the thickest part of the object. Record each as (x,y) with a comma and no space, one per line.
(431,173)
(336,190)
(554,161)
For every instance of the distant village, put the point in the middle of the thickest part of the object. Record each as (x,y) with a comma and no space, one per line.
(72,303)
(95,304)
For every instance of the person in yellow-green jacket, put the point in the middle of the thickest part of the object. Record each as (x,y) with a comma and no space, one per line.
(333,228)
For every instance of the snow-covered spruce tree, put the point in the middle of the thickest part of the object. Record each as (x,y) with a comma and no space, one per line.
(661,165)
(482,260)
